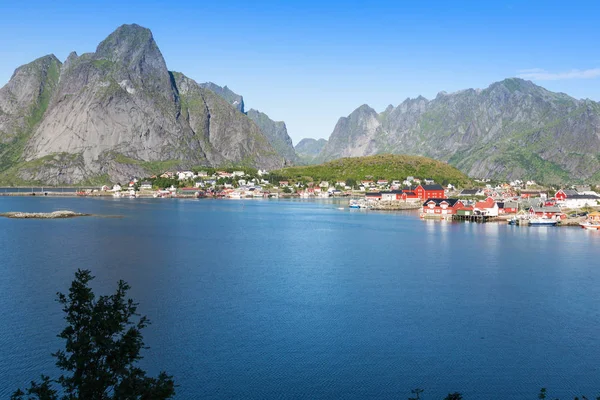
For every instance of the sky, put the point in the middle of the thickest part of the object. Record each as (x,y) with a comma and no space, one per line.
(308,63)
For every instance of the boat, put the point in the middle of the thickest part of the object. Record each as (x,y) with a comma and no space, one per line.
(512,221)
(542,222)
(354,204)
(589,225)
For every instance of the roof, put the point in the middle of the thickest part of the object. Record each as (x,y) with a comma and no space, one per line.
(569,192)
(373,194)
(392,192)
(435,186)
(583,197)
(451,202)
(549,209)
(469,192)
(488,203)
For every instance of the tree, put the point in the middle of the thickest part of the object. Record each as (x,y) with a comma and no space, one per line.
(103,341)
(416,392)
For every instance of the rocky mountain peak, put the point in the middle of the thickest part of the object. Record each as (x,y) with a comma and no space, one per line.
(116,113)
(126,41)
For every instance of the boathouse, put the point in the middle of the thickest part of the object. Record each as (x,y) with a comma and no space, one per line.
(441,207)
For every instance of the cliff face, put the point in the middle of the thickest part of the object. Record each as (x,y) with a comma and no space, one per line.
(116,112)
(275,131)
(512,129)
(277,134)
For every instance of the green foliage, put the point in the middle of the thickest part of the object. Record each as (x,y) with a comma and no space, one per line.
(103,64)
(163,183)
(10,153)
(103,341)
(385,166)
(151,167)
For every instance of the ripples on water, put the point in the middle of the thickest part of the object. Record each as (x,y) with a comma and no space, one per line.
(283,299)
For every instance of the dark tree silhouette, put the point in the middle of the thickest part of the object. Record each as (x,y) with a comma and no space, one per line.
(103,341)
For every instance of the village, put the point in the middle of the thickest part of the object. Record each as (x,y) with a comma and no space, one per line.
(515,202)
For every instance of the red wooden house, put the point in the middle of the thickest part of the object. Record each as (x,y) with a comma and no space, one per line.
(434,191)
(547,212)
(373,196)
(508,207)
(440,207)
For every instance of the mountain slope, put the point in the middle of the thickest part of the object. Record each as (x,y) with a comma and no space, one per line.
(115,112)
(307,149)
(512,129)
(227,94)
(276,133)
(383,166)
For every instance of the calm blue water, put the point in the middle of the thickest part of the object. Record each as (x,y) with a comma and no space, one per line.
(282,299)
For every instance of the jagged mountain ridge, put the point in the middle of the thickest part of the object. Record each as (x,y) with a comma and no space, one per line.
(275,131)
(512,129)
(115,113)
(308,149)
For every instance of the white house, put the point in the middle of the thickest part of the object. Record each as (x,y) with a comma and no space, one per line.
(579,201)
(146,185)
(488,207)
(117,188)
(238,173)
(184,175)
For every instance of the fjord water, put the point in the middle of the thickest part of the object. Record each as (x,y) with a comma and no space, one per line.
(290,299)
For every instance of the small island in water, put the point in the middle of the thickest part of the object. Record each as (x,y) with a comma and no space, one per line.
(51,215)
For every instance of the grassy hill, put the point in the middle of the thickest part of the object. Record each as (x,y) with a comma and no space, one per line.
(385,166)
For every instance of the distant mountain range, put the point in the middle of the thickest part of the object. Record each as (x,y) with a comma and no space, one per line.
(512,129)
(308,149)
(119,112)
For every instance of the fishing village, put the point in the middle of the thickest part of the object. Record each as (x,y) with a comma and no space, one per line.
(516,202)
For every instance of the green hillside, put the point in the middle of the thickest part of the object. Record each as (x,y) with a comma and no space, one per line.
(385,166)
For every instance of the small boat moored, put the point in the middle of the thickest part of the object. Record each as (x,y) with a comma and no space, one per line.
(589,225)
(542,222)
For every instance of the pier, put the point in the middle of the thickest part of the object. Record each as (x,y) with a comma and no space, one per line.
(473,218)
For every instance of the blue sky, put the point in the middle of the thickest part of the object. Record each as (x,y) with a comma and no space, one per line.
(309,63)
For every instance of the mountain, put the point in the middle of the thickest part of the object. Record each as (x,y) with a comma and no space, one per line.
(227,94)
(307,149)
(512,129)
(276,133)
(382,166)
(116,113)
